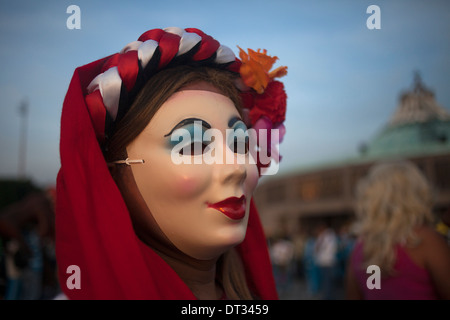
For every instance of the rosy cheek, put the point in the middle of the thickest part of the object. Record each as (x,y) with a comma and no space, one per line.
(187,186)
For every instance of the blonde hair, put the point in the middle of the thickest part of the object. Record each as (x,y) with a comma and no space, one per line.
(393,199)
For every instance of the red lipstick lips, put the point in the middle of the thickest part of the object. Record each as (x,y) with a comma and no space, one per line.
(233,207)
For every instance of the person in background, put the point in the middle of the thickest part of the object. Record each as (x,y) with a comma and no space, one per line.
(396,234)
(24,226)
(346,242)
(282,255)
(312,275)
(443,225)
(326,259)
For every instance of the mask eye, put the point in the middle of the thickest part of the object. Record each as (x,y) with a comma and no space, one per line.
(238,138)
(194,149)
(240,142)
(189,140)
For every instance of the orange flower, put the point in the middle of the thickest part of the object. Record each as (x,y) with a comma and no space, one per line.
(255,69)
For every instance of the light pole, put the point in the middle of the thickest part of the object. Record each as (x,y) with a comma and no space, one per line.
(23,111)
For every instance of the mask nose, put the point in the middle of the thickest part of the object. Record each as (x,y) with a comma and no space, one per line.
(233,170)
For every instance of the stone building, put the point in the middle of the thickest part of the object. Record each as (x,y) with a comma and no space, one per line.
(419,130)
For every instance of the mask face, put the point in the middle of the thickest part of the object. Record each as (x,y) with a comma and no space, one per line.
(192,182)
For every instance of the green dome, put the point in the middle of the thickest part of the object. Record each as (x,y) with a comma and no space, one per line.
(418,126)
(412,138)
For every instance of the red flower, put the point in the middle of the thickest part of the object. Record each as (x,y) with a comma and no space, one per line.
(271,104)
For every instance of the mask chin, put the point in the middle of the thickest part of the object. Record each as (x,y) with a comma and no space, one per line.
(208,252)
(210,248)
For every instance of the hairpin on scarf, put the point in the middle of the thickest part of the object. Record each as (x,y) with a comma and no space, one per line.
(127,161)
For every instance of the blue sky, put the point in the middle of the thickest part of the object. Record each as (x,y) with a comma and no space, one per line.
(343,79)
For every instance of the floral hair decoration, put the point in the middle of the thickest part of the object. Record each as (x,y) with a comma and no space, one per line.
(265,102)
(110,94)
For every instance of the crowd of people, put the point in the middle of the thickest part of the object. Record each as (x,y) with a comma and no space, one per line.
(27,250)
(317,259)
(395,230)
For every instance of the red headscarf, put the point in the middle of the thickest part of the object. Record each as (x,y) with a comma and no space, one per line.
(93,226)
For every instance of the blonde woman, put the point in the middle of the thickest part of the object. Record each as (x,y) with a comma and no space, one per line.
(398,254)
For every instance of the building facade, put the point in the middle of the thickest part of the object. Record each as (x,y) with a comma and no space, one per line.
(419,130)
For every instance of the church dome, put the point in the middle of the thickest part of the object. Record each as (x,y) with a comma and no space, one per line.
(419,125)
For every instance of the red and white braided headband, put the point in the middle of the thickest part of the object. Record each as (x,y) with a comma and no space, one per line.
(111,92)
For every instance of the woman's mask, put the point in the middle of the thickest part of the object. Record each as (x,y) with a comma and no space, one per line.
(198,176)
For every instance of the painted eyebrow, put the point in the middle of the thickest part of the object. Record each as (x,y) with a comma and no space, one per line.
(233,121)
(185,122)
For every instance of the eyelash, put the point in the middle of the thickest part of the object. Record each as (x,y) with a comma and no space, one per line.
(234,146)
(193,149)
